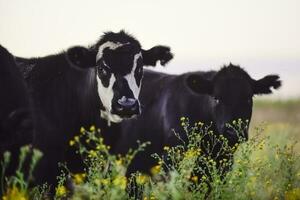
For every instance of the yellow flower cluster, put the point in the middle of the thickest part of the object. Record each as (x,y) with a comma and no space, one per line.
(103,147)
(120,181)
(119,161)
(191,153)
(150,198)
(155,170)
(166,148)
(79,178)
(194,179)
(15,193)
(104,181)
(82,132)
(141,179)
(92,154)
(61,191)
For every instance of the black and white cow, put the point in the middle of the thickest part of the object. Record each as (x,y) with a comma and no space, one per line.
(83,87)
(16,116)
(216,96)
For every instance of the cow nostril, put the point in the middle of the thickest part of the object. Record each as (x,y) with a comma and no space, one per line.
(127,102)
(119,108)
(134,107)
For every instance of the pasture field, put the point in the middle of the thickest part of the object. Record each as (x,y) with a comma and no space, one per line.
(281,119)
(265,167)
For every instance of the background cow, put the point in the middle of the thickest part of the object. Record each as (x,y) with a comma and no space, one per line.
(215,96)
(74,88)
(16,116)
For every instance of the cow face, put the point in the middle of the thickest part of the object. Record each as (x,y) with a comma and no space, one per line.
(231,94)
(119,60)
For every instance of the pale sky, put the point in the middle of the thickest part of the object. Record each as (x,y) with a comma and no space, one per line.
(263,36)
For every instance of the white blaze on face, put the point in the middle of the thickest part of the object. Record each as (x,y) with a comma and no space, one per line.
(131,78)
(106,94)
(110,45)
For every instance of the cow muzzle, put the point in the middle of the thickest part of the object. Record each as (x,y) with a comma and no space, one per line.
(126,107)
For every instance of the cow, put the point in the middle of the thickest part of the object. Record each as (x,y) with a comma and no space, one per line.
(16,114)
(98,86)
(215,98)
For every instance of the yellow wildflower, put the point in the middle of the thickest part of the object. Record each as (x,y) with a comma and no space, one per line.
(195,179)
(155,170)
(82,130)
(92,153)
(79,178)
(92,128)
(102,147)
(61,191)
(150,198)
(76,138)
(105,181)
(182,118)
(71,142)
(141,179)
(200,123)
(191,153)
(15,194)
(120,181)
(119,161)
(166,148)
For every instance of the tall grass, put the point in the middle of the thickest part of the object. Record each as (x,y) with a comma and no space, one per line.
(267,166)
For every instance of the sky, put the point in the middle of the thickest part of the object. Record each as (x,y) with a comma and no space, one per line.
(262,36)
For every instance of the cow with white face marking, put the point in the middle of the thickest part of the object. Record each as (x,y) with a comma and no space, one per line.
(119,84)
(98,86)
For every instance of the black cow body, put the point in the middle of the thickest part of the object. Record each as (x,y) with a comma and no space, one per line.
(163,108)
(83,87)
(16,116)
(62,104)
(216,97)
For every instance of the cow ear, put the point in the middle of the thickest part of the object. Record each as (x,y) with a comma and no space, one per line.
(199,84)
(264,85)
(81,57)
(161,53)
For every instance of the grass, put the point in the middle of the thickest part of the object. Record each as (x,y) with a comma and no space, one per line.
(281,119)
(265,167)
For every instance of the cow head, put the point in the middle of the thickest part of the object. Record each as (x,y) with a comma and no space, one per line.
(231,91)
(118,60)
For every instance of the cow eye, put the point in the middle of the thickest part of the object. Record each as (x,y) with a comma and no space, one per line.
(102,71)
(217,100)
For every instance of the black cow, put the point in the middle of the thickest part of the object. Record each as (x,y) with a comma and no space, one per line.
(83,87)
(16,116)
(215,96)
